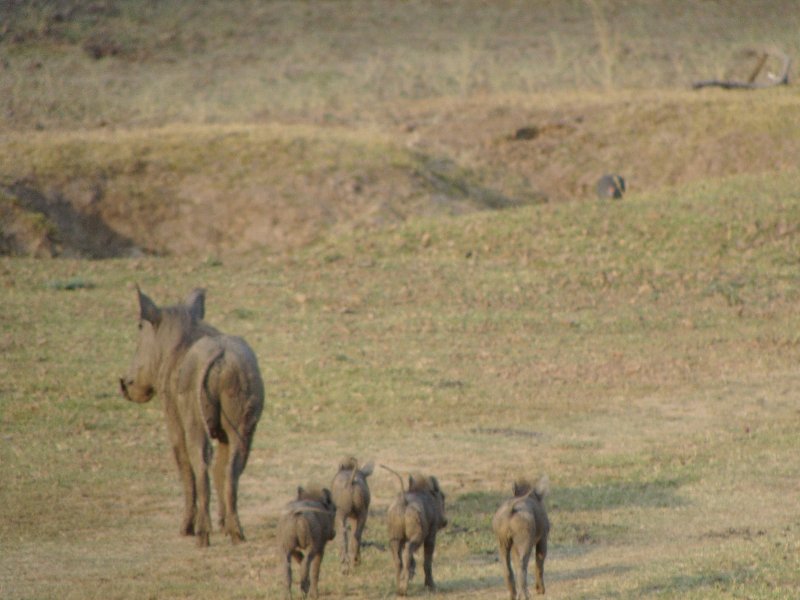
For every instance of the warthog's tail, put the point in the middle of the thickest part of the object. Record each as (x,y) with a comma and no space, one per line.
(354,472)
(539,489)
(209,406)
(399,478)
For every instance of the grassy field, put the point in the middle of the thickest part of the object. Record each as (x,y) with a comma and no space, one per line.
(642,354)
(421,288)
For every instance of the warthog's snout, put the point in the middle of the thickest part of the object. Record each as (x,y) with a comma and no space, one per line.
(131,393)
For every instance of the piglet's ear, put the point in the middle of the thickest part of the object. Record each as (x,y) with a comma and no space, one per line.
(196,303)
(148,311)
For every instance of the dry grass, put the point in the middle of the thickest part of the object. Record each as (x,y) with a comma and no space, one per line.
(274,125)
(356,61)
(328,160)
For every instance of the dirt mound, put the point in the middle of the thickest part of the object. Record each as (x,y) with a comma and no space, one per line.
(56,224)
(561,145)
(209,191)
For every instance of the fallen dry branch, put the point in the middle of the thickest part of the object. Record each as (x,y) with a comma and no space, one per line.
(751,84)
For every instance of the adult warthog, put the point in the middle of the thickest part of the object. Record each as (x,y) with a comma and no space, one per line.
(211,389)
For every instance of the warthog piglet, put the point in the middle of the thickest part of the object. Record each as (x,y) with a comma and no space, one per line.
(521,525)
(303,530)
(351,497)
(414,519)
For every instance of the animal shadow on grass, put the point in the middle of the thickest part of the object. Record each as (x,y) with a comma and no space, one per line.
(472,504)
(657,493)
(456,587)
(470,514)
(590,573)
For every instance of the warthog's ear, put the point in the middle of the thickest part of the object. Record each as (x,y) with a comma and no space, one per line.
(326,493)
(148,311)
(300,491)
(196,303)
(435,484)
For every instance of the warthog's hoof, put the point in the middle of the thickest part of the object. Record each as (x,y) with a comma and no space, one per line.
(305,584)
(237,537)
(187,528)
(236,534)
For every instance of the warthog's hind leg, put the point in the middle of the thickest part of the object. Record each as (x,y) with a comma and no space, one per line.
(220,476)
(200,456)
(342,525)
(234,465)
(508,574)
(355,543)
(541,553)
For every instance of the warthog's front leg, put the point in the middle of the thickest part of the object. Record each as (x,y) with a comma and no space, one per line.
(187,481)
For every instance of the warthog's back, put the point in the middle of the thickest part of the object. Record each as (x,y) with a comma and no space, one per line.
(350,492)
(520,515)
(303,525)
(411,516)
